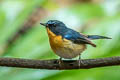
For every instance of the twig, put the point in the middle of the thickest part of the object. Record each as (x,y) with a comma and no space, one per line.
(54,65)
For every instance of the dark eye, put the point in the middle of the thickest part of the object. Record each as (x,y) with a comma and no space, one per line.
(52,25)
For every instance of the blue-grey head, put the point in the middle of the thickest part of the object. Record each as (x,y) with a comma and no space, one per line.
(53,23)
(55,26)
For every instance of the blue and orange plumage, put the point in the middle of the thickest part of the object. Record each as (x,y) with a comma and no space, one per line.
(66,42)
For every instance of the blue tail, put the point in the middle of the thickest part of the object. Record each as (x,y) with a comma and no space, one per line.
(92,37)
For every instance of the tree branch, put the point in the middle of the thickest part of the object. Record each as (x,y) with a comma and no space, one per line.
(54,64)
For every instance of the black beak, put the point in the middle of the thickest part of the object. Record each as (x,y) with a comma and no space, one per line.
(44,24)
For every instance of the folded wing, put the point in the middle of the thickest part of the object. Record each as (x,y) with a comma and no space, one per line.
(77,38)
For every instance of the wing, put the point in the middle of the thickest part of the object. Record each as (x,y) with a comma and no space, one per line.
(77,37)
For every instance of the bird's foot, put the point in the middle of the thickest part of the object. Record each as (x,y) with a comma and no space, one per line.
(79,61)
(60,61)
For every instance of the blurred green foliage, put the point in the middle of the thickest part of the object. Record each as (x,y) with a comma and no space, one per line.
(34,43)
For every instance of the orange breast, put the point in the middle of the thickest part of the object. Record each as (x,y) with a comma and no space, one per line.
(56,42)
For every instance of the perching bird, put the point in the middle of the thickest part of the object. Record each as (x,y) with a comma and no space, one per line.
(68,43)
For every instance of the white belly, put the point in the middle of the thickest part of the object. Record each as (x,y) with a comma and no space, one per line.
(70,50)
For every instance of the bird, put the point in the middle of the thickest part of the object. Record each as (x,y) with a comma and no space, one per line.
(68,43)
